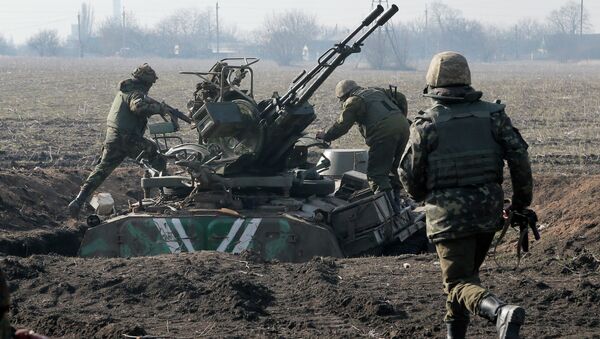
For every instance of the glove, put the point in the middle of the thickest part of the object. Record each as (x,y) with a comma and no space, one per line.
(320,135)
(163,108)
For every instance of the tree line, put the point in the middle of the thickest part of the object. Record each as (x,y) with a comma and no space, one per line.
(289,36)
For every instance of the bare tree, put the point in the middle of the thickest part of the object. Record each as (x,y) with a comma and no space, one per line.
(87,21)
(285,34)
(45,42)
(6,47)
(567,19)
(190,29)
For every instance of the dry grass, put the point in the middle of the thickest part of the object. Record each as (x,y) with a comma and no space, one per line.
(52,111)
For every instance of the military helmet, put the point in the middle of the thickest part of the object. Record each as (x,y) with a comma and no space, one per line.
(145,73)
(344,88)
(448,69)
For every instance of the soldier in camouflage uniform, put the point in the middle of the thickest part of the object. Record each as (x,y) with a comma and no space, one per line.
(381,117)
(126,124)
(454,163)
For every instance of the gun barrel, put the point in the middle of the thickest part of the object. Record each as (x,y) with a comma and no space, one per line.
(302,79)
(384,18)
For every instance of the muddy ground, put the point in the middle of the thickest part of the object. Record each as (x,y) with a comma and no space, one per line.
(214,295)
(52,114)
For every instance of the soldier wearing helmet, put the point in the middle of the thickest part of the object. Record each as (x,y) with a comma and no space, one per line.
(454,162)
(126,124)
(381,118)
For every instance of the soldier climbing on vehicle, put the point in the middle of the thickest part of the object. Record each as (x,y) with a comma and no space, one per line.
(381,117)
(126,124)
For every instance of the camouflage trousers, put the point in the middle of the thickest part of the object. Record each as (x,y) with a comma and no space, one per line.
(384,159)
(117,147)
(460,260)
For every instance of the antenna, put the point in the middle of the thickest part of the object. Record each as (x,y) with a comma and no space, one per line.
(217,27)
(79,35)
(581,20)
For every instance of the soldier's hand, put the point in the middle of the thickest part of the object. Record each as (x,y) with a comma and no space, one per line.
(163,108)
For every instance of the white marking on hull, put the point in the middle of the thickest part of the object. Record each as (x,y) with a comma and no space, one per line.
(167,235)
(246,237)
(184,237)
(232,232)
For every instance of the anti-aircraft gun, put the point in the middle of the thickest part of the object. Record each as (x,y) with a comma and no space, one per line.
(267,131)
(249,185)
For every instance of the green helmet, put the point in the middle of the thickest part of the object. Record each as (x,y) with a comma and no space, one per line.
(345,88)
(448,69)
(145,73)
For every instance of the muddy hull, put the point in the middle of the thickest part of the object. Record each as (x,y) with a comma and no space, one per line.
(271,237)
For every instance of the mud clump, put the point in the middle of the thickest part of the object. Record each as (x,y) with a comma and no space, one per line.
(244,299)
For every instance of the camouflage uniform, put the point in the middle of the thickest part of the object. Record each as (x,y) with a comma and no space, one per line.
(454,163)
(5,330)
(382,122)
(126,124)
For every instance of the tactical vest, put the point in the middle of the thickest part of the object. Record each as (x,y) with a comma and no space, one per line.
(467,152)
(121,118)
(379,107)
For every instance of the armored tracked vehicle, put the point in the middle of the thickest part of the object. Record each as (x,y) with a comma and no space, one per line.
(248,186)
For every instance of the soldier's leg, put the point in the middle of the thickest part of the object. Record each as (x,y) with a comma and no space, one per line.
(457,261)
(156,159)
(508,318)
(112,156)
(381,157)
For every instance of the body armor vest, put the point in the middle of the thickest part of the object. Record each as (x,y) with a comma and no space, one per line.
(379,107)
(123,119)
(467,152)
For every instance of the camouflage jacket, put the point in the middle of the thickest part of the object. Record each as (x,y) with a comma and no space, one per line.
(354,110)
(455,212)
(130,110)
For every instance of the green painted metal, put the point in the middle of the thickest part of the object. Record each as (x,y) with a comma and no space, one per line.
(271,237)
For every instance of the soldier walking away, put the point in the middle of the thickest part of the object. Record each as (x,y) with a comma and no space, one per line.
(126,124)
(381,118)
(454,162)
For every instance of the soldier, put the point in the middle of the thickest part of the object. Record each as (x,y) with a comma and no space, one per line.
(381,117)
(126,124)
(454,162)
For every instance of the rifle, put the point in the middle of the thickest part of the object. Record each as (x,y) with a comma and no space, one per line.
(525,219)
(298,92)
(172,111)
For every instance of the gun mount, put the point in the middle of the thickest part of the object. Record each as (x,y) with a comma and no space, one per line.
(248,184)
(262,135)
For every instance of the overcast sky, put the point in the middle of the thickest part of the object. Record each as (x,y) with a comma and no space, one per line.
(19,19)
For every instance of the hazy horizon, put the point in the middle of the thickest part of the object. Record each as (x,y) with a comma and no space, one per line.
(21,19)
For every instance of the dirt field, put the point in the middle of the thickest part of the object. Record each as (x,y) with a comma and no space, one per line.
(52,114)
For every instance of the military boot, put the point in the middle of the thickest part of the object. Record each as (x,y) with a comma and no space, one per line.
(398,197)
(508,318)
(79,201)
(396,207)
(457,329)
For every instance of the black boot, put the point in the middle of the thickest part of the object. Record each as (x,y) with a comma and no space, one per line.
(508,318)
(77,203)
(390,195)
(457,329)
